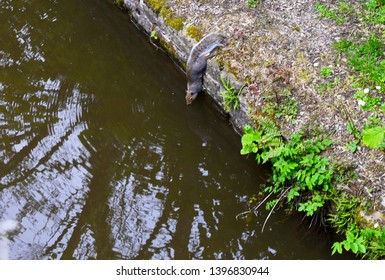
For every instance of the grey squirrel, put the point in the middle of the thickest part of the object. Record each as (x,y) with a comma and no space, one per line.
(197,62)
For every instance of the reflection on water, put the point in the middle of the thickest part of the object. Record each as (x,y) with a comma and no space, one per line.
(100,159)
(6,227)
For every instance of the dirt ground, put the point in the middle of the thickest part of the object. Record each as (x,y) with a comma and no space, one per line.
(278,48)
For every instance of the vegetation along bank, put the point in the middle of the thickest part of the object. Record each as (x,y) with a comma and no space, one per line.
(304,83)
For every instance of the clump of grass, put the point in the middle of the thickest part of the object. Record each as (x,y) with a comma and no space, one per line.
(326,72)
(326,12)
(368,60)
(375,11)
(366,57)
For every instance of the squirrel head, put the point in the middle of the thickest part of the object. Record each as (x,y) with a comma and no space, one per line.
(190,97)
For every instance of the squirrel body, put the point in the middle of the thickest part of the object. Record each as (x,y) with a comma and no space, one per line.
(197,62)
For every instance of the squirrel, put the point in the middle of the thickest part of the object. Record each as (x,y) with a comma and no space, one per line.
(197,62)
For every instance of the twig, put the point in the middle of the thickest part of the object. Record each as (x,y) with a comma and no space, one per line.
(272,209)
(255,207)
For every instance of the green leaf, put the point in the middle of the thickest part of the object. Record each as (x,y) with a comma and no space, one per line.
(337,247)
(248,129)
(327,142)
(251,137)
(373,137)
(302,207)
(361,248)
(272,153)
(248,149)
(250,140)
(321,179)
(351,128)
(350,237)
(352,146)
(354,248)
(292,193)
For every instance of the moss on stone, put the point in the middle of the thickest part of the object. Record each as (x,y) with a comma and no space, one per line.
(176,23)
(120,4)
(170,50)
(194,32)
(297,28)
(170,18)
(165,12)
(156,5)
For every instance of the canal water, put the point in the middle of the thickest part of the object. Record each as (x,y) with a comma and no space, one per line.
(100,158)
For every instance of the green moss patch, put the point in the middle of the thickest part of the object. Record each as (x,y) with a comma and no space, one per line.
(156,5)
(194,32)
(171,19)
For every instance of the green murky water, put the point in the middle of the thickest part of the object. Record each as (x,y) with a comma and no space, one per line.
(101,159)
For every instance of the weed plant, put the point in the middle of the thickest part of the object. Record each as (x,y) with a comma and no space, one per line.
(230,95)
(335,15)
(253,3)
